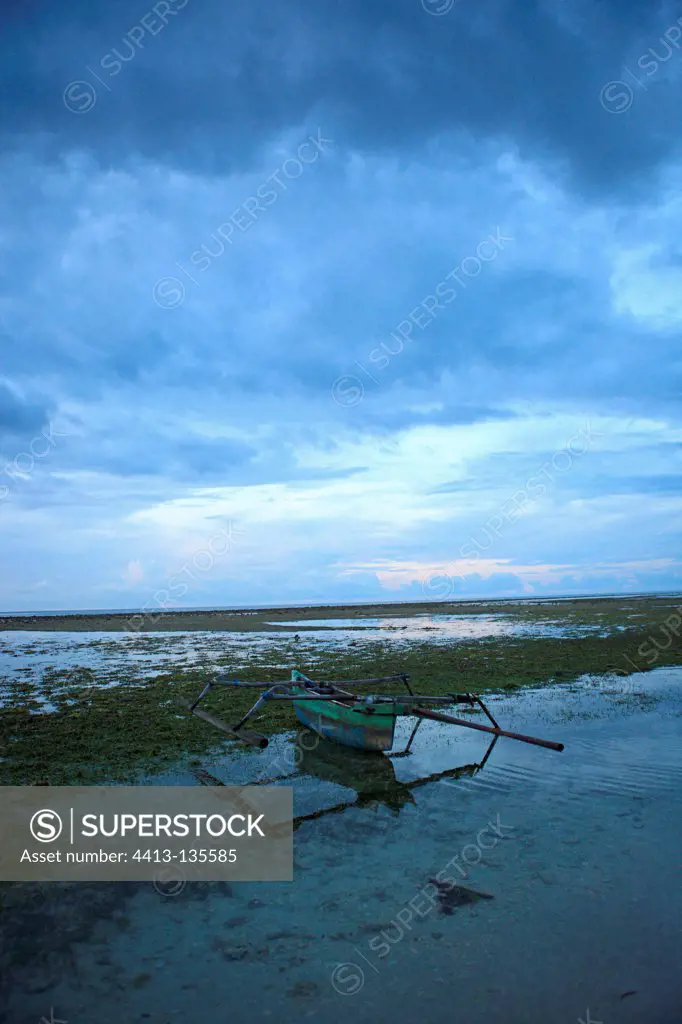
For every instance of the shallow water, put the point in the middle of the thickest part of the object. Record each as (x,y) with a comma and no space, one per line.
(580,850)
(147,653)
(114,656)
(443,628)
(39,658)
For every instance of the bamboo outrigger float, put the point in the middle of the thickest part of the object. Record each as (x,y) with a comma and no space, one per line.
(365,722)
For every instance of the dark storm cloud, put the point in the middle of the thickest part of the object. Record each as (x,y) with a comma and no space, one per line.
(528,333)
(141,452)
(203,84)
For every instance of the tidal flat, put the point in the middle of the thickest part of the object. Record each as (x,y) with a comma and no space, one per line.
(92,702)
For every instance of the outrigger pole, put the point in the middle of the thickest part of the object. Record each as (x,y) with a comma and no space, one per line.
(254,739)
(437,716)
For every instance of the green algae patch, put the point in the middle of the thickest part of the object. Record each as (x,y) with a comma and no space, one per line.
(100,735)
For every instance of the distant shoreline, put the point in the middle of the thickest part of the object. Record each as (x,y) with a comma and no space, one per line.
(273,619)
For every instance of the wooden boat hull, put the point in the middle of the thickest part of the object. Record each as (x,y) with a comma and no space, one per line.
(361,729)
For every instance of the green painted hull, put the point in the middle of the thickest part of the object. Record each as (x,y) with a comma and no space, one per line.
(371,729)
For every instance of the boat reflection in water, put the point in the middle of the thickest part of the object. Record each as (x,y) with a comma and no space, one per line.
(371,775)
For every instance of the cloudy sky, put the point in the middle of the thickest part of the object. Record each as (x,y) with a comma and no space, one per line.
(367,299)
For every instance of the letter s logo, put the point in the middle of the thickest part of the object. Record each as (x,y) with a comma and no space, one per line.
(46,826)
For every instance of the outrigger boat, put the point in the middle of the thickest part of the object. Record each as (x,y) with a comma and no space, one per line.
(365,722)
